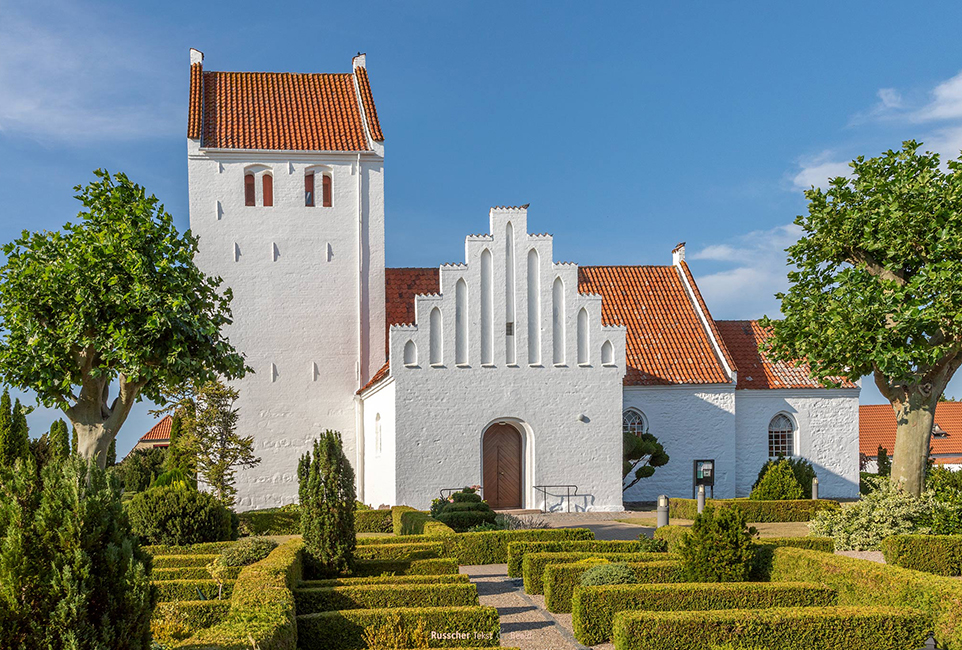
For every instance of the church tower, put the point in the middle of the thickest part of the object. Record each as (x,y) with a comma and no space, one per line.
(286,178)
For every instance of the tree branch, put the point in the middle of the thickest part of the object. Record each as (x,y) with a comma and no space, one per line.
(874,268)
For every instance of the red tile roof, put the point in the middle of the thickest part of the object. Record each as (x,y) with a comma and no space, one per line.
(400,287)
(382,373)
(160,431)
(666,341)
(876,426)
(281,111)
(742,338)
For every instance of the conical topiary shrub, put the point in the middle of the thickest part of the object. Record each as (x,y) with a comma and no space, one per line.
(778,484)
(327,502)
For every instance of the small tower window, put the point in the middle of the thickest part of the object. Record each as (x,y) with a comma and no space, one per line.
(268,190)
(249,198)
(326,187)
(309,189)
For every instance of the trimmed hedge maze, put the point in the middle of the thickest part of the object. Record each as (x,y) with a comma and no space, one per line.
(938,554)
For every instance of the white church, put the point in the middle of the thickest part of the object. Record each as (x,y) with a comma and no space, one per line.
(506,369)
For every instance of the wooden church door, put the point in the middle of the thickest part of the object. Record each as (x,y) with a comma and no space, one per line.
(501,457)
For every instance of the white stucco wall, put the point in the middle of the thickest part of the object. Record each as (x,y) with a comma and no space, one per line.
(443,409)
(692,422)
(377,473)
(304,280)
(826,435)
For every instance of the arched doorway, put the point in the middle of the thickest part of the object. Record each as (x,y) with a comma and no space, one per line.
(502,453)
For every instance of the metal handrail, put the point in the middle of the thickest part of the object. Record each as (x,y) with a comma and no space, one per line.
(479,489)
(544,495)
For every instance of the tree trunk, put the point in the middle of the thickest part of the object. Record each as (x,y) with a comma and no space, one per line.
(96,422)
(914,416)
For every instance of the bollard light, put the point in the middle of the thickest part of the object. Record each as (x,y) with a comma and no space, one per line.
(662,511)
(815,489)
(701,499)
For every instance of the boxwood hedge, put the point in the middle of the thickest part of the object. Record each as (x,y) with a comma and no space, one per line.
(939,554)
(373,521)
(192,573)
(176,561)
(534,564)
(208,589)
(271,521)
(416,551)
(436,566)
(861,583)
(757,511)
(178,620)
(593,609)
(812,628)
(561,580)
(517,550)
(408,521)
(381,580)
(328,599)
(204,548)
(475,626)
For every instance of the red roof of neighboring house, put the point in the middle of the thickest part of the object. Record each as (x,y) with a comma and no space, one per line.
(281,110)
(876,427)
(382,373)
(160,431)
(742,337)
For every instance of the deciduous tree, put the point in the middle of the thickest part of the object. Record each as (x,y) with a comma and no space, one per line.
(642,454)
(114,298)
(876,289)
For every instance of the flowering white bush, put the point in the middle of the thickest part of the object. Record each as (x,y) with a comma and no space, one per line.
(861,526)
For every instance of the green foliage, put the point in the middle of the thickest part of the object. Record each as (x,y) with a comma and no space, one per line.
(719,548)
(561,581)
(884,462)
(247,551)
(326,489)
(329,599)
(344,629)
(408,521)
(415,551)
(168,515)
(517,550)
(203,589)
(938,554)
(179,550)
(113,297)
(173,478)
(387,580)
(181,454)
(594,609)
(71,573)
(534,564)
(642,453)
(778,484)
(463,510)
(177,620)
(756,511)
(672,536)
(140,468)
(870,584)
(946,488)
(14,439)
(812,628)
(609,574)
(59,439)
(181,561)
(426,567)
(112,453)
(373,521)
(802,469)
(194,573)
(861,526)
(285,520)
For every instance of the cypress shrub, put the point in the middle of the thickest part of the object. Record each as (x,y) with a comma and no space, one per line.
(59,439)
(327,502)
(802,469)
(778,484)
(71,573)
(170,515)
(719,548)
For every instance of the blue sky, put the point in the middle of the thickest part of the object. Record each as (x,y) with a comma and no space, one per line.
(628,127)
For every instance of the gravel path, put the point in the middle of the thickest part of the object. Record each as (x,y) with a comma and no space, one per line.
(525,623)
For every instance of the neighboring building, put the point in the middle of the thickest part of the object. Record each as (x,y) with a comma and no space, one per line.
(508,370)
(158,436)
(877,427)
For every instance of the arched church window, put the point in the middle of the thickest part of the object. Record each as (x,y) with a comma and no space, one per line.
(249,197)
(326,191)
(436,337)
(781,436)
(268,190)
(377,434)
(410,354)
(633,422)
(607,354)
(309,189)
(583,359)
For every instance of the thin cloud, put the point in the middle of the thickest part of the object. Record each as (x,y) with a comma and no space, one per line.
(818,170)
(75,77)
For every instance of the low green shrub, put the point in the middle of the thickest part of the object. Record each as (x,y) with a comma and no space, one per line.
(344,629)
(777,484)
(177,620)
(408,521)
(756,511)
(517,550)
(861,583)
(169,515)
(812,628)
(765,548)
(562,580)
(533,566)
(609,574)
(204,589)
(447,578)
(436,566)
(802,469)
(176,561)
(285,520)
(938,554)
(192,573)
(415,551)
(262,606)
(463,511)
(719,548)
(672,536)
(328,599)
(246,551)
(593,609)
(207,548)
(373,521)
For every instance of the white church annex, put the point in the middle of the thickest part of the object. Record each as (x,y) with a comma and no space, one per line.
(507,370)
